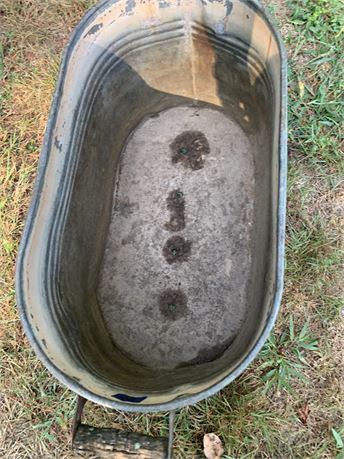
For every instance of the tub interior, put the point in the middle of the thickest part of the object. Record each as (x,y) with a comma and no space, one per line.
(166,251)
(175,276)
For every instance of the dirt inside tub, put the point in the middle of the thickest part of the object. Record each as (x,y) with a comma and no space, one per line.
(176,269)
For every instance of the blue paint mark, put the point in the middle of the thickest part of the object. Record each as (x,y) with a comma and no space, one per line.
(129,398)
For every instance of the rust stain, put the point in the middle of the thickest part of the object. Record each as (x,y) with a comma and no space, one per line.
(203,59)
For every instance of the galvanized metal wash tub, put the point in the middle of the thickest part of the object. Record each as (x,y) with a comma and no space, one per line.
(150,269)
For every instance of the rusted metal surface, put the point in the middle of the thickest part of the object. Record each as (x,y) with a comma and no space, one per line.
(80,404)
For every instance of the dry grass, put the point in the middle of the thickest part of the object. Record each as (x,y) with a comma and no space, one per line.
(258,416)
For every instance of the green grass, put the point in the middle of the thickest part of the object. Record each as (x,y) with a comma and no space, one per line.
(316,108)
(258,415)
(283,357)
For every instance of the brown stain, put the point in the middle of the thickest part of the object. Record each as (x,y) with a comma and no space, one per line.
(173,304)
(190,148)
(176,205)
(210,354)
(203,61)
(177,249)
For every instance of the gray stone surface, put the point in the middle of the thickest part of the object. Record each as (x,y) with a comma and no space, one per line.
(214,278)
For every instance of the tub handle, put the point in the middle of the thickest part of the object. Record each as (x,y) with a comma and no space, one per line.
(103,441)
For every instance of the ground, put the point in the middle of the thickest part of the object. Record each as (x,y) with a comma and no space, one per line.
(289,403)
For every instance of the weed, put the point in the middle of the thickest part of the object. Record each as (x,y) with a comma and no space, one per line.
(338,439)
(284,356)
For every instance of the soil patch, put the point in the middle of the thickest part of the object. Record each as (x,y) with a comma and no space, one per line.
(176,205)
(177,249)
(190,148)
(173,304)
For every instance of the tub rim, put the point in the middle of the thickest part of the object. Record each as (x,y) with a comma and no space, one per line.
(34,203)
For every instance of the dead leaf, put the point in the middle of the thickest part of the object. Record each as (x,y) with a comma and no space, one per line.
(304,413)
(212,446)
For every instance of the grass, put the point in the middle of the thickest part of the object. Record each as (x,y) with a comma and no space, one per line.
(283,357)
(288,404)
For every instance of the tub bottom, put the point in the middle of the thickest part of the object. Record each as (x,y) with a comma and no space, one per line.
(176,269)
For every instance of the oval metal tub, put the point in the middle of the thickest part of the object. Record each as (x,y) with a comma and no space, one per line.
(150,269)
